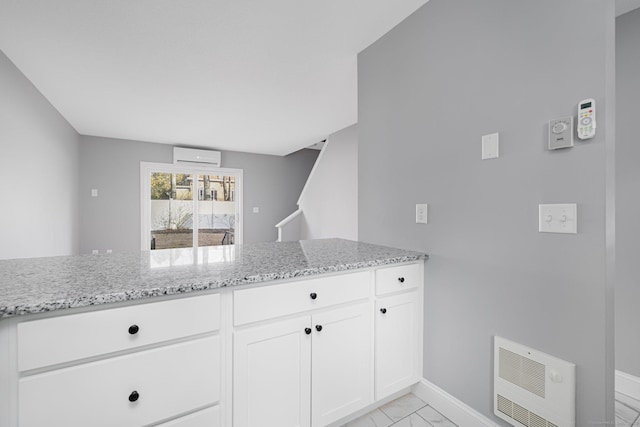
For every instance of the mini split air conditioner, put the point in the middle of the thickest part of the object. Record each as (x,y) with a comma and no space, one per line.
(531,388)
(191,155)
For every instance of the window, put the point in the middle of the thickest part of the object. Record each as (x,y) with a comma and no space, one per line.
(189,206)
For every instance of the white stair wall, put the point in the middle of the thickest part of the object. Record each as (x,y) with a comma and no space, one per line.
(328,204)
(329,200)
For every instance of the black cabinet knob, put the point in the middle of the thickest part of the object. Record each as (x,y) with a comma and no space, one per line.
(313,295)
(133,329)
(318,328)
(383,310)
(401,279)
(133,396)
(307,331)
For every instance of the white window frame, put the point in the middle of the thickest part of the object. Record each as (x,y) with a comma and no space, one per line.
(146,168)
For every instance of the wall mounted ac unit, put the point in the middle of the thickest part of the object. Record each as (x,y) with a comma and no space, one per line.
(191,155)
(531,388)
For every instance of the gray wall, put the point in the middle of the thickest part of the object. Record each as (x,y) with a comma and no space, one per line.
(38,171)
(428,90)
(112,166)
(627,193)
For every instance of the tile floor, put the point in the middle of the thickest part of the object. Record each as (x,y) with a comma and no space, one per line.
(406,411)
(627,411)
(410,411)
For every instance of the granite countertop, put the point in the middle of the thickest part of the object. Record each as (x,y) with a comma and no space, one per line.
(36,285)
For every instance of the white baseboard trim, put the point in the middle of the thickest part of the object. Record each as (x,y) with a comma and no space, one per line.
(628,384)
(458,412)
(371,407)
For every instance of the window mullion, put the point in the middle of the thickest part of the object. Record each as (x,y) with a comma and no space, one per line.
(194,196)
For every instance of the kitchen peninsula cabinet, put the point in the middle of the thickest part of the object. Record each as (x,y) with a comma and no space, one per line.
(212,337)
(398,327)
(318,364)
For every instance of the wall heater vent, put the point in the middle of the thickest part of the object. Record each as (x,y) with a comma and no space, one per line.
(531,388)
(522,371)
(522,415)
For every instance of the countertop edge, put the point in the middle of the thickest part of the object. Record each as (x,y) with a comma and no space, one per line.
(136,295)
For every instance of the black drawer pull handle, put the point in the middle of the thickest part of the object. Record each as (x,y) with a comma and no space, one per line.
(307,331)
(383,310)
(318,328)
(133,329)
(313,295)
(401,279)
(133,396)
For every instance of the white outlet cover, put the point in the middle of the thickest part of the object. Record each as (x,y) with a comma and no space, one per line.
(490,146)
(256,210)
(94,192)
(421,213)
(558,218)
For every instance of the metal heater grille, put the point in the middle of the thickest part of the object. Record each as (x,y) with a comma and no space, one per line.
(521,415)
(522,371)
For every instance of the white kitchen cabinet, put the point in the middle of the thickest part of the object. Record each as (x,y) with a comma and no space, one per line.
(126,391)
(398,342)
(294,353)
(269,302)
(317,364)
(341,363)
(128,366)
(272,375)
(398,278)
(77,336)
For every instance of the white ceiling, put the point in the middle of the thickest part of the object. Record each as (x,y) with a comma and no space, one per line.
(624,6)
(247,75)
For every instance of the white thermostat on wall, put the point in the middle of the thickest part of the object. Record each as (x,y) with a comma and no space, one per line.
(587,118)
(561,133)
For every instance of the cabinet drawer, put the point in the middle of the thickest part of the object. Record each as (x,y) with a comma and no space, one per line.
(169,381)
(395,279)
(67,338)
(209,417)
(266,302)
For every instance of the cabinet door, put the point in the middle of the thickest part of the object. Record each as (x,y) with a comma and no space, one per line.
(397,343)
(272,375)
(342,363)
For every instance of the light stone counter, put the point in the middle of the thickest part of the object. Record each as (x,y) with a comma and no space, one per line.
(38,285)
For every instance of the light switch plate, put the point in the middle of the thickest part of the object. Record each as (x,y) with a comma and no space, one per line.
(560,218)
(94,192)
(421,213)
(490,146)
